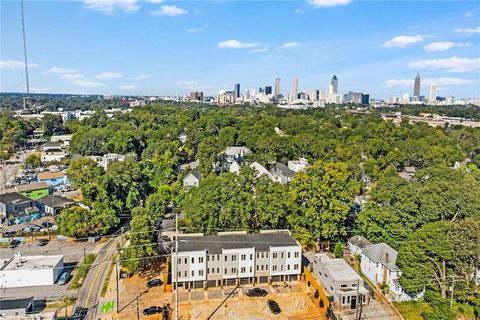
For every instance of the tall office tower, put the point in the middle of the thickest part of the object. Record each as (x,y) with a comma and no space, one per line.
(334,84)
(268,90)
(295,88)
(260,90)
(416,87)
(236,91)
(432,93)
(277,86)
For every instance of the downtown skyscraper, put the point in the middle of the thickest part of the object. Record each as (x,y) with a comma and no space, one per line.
(236,91)
(416,86)
(277,87)
(295,88)
(334,84)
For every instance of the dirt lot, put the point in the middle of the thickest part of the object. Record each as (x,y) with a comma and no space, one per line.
(199,304)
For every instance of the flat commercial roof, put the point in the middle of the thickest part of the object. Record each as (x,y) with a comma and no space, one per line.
(215,244)
(338,269)
(29,263)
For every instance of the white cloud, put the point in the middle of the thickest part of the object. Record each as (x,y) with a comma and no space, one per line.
(427,81)
(72,76)
(140,77)
(127,87)
(290,45)
(468,30)
(328,3)
(108,75)
(57,70)
(235,44)
(87,83)
(111,6)
(171,11)
(15,64)
(264,49)
(444,45)
(199,29)
(453,64)
(155,1)
(403,41)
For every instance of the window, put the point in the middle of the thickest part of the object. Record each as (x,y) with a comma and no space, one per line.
(234,258)
(179,261)
(296,254)
(186,261)
(281,267)
(348,299)
(243,257)
(218,270)
(242,270)
(262,267)
(218,257)
(266,254)
(185,273)
(208,258)
(295,267)
(343,300)
(179,274)
(343,286)
(193,273)
(234,270)
(283,254)
(200,260)
(288,267)
(251,269)
(274,268)
(251,257)
(262,255)
(193,260)
(258,267)
(225,258)
(225,270)
(258,254)
(274,255)
(208,271)
(288,255)
(200,272)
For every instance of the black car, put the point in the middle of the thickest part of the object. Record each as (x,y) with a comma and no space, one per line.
(154,283)
(42,242)
(9,234)
(47,224)
(152,310)
(274,307)
(79,313)
(14,243)
(256,292)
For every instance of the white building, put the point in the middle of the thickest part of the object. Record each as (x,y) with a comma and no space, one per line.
(108,158)
(64,139)
(432,93)
(192,179)
(30,271)
(340,280)
(298,165)
(356,244)
(231,258)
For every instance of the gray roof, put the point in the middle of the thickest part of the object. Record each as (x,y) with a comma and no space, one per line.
(12,304)
(31,187)
(13,198)
(54,201)
(378,252)
(359,241)
(284,170)
(214,244)
(196,174)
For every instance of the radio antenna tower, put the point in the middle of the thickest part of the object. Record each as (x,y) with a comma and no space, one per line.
(26,61)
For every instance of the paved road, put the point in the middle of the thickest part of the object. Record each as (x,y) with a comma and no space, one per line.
(8,171)
(89,294)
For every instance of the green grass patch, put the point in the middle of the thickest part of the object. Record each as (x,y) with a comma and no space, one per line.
(61,303)
(81,271)
(412,310)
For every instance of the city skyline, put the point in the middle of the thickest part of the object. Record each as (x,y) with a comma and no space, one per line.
(185,50)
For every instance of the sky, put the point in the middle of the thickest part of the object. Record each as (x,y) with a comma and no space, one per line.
(131,47)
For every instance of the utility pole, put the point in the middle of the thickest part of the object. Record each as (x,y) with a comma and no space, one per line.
(176,266)
(452,289)
(356,306)
(84,256)
(138,310)
(25,56)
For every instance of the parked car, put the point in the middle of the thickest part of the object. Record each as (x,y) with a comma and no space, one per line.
(63,278)
(42,242)
(9,234)
(14,243)
(256,292)
(152,310)
(154,283)
(79,313)
(47,224)
(274,307)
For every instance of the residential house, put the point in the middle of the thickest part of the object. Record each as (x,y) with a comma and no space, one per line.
(189,165)
(52,152)
(105,160)
(356,244)
(225,159)
(408,173)
(340,280)
(53,179)
(33,190)
(64,139)
(15,208)
(53,204)
(282,174)
(379,265)
(234,168)
(298,165)
(232,258)
(192,179)
(260,171)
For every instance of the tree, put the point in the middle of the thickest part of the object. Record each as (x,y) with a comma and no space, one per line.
(33,161)
(143,241)
(157,202)
(441,311)
(338,250)
(84,171)
(321,198)
(78,222)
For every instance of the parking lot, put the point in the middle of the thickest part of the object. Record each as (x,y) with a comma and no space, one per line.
(218,303)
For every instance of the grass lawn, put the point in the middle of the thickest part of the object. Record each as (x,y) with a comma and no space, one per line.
(412,310)
(81,271)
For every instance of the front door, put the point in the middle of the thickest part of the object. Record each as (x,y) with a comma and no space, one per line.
(353,302)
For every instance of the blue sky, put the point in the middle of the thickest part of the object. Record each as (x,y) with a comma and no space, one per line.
(158,47)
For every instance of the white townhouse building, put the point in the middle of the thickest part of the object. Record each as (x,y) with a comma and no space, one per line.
(232,258)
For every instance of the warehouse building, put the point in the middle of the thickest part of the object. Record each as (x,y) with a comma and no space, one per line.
(30,271)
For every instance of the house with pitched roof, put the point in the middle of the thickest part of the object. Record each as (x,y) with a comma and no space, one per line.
(192,179)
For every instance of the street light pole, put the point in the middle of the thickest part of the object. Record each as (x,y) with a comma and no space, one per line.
(176,266)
